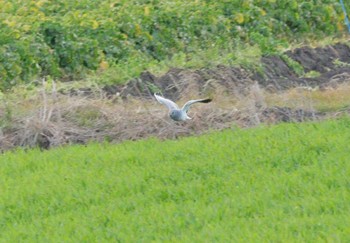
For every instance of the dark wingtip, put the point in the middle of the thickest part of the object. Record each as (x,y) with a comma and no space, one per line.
(206,100)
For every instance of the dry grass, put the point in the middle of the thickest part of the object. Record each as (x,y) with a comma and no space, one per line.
(47,118)
(51,119)
(326,99)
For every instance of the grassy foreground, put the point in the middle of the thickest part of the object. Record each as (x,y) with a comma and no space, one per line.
(284,183)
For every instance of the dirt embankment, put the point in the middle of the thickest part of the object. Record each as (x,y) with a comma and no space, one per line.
(124,112)
(329,65)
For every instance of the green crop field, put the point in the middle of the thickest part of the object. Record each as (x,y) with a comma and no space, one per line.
(285,183)
(67,39)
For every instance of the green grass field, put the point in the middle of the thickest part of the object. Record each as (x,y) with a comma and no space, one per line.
(285,183)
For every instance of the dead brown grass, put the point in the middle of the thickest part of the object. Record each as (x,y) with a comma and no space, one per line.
(47,118)
(324,99)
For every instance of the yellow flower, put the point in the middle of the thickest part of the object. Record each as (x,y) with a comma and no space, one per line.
(239,18)
(147,10)
(138,29)
(340,26)
(104,65)
(95,24)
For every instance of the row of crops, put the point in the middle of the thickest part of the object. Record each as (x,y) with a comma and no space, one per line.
(65,39)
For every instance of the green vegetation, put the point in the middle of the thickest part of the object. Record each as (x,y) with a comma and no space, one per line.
(286,183)
(312,74)
(339,63)
(120,39)
(294,65)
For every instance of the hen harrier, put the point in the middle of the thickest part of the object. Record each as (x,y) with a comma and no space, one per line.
(175,112)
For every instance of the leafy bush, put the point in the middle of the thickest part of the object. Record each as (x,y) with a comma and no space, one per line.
(63,38)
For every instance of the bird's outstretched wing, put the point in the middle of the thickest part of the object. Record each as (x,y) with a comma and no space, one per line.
(191,102)
(171,105)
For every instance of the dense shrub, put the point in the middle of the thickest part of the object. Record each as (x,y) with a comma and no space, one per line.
(39,38)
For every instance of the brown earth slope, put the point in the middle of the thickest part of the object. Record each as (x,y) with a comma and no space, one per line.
(330,63)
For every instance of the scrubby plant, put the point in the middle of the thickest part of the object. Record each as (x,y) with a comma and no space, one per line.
(294,65)
(68,38)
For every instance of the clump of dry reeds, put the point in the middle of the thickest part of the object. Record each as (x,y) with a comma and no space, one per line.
(52,118)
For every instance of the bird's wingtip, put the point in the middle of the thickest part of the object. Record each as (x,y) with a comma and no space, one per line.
(207,100)
(157,97)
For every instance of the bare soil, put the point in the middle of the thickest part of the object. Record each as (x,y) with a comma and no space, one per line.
(129,112)
(332,63)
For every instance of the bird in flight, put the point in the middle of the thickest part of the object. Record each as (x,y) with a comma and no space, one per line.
(175,112)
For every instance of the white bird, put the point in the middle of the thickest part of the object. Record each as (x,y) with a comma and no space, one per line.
(175,112)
